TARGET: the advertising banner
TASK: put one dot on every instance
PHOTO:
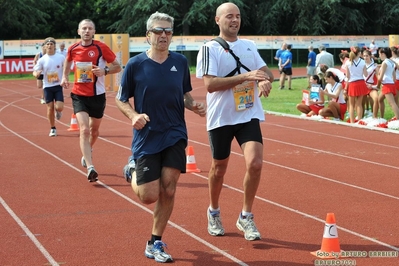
(1, 50)
(120, 46)
(29, 47)
(194, 43)
(16, 66)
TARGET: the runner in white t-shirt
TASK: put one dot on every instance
(51, 66)
(234, 111)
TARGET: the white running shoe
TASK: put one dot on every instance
(92, 174)
(215, 227)
(83, 162)
(156, 251)
(53, 132)
(247, 225)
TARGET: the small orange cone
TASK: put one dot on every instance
(74, 124)
(330, 248)
(191, 166)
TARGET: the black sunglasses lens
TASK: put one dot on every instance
(158, 30)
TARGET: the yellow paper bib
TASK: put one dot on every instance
(244, 95)
(83, 72)
(52, 77)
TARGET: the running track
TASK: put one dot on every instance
(51, 215)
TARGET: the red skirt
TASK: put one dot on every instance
(342, 110)
(397, 84)
(357, 88)
(388, 88)
(316, 108)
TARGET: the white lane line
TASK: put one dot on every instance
(308, 216)
(336, 136)
(178, 227)
(315, 175)
(262, 199)
(216, 249)
(32, 237)
(331, 153)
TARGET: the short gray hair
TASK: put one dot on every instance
(86, 20)
(157, 16)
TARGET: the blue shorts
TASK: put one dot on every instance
(54, 93)
(149, 167)
(220, 138)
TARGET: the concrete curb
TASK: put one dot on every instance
(341, 123)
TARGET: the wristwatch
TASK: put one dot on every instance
(106, 70)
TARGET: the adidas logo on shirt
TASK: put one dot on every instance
(173, 68)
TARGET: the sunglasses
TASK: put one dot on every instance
(159, 30)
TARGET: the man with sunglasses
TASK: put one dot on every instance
(159, 82)
(234, 111)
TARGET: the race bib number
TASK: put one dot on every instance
(52, 77)
(244, 95)
(83, 72)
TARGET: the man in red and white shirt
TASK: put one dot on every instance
(88, 92)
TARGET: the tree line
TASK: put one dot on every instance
(39, 19)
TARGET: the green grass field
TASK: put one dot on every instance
(281, 101)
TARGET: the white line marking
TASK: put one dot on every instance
(308, 216)
(319, 176)
(216, 249)
(32, 237)
(240, 191)
(331, 153)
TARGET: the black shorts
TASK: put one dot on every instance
(93, 105)
(54, 93)
(40, 77)
(220, 138)
(287, 71)
(149, 167)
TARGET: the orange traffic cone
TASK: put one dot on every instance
(330, 248)
(74, 124)
(191, 166)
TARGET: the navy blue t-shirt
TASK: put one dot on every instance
(157, 90)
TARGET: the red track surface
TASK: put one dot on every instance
(51, 215)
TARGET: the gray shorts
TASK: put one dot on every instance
(310, 70)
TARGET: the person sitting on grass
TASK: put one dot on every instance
(337, 106)
(315, 102)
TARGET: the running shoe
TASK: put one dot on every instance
(156, 251)
(58, 115)
(215, 227)
(128, 170)
(83, 162)
(53, 132)
(92, 174)
(247, 225)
